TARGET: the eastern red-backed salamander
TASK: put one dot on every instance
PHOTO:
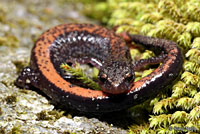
(88, 43)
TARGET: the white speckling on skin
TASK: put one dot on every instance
(84, 38)
(68, 39)
(135, 96)
(58, 42)
(99, 97)
(92, 39)
(132, 91)
(28, 81)
(63, 40)
(97, 107)
(96, 61)
(74, 39)
(89, 39)
(106, 97)
(79, 37)
(146, 83)
(52, 89)
(82, 35)
(98, 40)
(54, 45)
(55, 55)
(157, 76)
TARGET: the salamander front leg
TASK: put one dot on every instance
(150, 61)
(27, 78)
(148, 42)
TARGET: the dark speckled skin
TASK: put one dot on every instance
(85, 47)
(88, 43)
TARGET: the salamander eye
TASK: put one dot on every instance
(129, 77)
(103, 77)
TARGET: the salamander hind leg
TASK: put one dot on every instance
(27, 78)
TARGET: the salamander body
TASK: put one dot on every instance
(88, 43)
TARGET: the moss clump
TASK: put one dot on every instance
(15, 130)
(80, 75)
(1, 112)
(11, 99)
(49, 115)
(3, 13)
(66, 132)
(20, 65)
(9, 40)
(2, 130)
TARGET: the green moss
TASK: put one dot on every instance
(49, 115)
(24, 91)
(196, 43)
(11, 99)
(23, 23)
(138, 129)
(1, 112)
(2, 130)
(66, 132)
(43, 115)
(3, 13)
(9, 40)
(15, 130)
(169, 9)
(194, 55)
(20, 65)
(79, 74)
(56, 114)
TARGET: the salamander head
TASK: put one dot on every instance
(116, 77)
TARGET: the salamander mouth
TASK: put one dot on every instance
(106, 86)
(115, 90)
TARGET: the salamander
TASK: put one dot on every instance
(101, 47)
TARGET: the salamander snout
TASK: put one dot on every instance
(116, 77)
